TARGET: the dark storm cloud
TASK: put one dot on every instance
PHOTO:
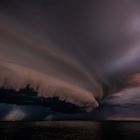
(28, 57)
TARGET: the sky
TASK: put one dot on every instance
(79, 51)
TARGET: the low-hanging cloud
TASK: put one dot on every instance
(28, 60)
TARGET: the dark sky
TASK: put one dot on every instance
(70, 49)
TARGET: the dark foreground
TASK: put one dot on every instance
(69, 130)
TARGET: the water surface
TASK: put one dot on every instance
(68, 130)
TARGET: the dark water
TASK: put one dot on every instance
(70, 130)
